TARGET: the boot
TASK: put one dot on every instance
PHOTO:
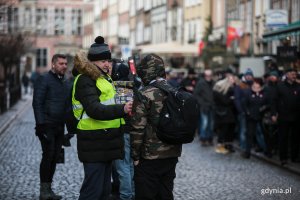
(53, 195)
(44, 192)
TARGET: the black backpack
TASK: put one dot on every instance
(179, 116)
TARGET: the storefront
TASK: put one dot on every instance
(285, 44)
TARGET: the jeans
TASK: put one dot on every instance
(51, 149)
(125, 171)
(96, 184)
(254, 128)
(242, 130)
(206, 125)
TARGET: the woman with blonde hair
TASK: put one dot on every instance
(224, 113)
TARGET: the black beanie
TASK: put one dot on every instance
(99, 50)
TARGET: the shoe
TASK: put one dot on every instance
(209, 143)
(230, 148)
(295, 160)
(221, 149)
(283, 162)
(203, 143)
(258, 149)
(44, 191)
(268, 154)
(245, 155)
(47, 193)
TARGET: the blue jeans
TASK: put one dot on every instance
(242, 130)
(125, 171)
(206, 125)
(260, 137)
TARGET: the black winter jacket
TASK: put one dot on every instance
(224, 107)
(50, 98)
(255, 104)
(96, 145)
(204, 94)
(287, 101)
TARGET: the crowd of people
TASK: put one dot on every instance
(117, 116)
(261, 113)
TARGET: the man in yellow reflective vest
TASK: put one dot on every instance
(99, 138)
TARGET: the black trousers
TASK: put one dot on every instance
(289, 136)
(225, 132)
(51, 149)
(154, 179)
(96, 184)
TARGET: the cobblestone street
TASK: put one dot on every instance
(201, 173)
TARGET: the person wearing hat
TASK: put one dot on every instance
(285, 110)
(99, 135)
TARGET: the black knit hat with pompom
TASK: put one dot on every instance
(99, 50)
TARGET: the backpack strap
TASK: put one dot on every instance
(164, 86)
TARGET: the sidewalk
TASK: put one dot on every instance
(11, 114)
(292, 167)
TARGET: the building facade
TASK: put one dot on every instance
(54, 26)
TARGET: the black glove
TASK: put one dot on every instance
(67, 138)
(40, 131)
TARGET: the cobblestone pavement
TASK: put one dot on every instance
(201, 173)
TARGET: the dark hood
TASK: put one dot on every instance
(152, 66)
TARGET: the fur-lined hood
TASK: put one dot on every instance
(84, 66)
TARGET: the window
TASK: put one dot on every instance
(113, 25)
(76, 22)
(41, 57)
(139, 32)
(147, 34)
(12, 19)
(41, 21)
(59, 21)
(147, 5)
(295, 10)
(27, 17)
(104, 4)
(132, 7)
(276, 4)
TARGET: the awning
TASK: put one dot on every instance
(169, 48)
(292, 29)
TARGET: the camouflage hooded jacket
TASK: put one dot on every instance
(146, 110)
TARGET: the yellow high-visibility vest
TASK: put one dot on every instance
(107, 97)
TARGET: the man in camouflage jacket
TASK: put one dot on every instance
(154, 161)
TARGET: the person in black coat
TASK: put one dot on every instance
(255, 103)
(49, 105)
(285, 110)
(204, 95)
(98, 147)
(223, 93)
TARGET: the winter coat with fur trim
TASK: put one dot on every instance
(95, 145)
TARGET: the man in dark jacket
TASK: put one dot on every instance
(285, 109)
(204, 95)
(154, 161)
(239, 95)
(100, 139)
(49, 105)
